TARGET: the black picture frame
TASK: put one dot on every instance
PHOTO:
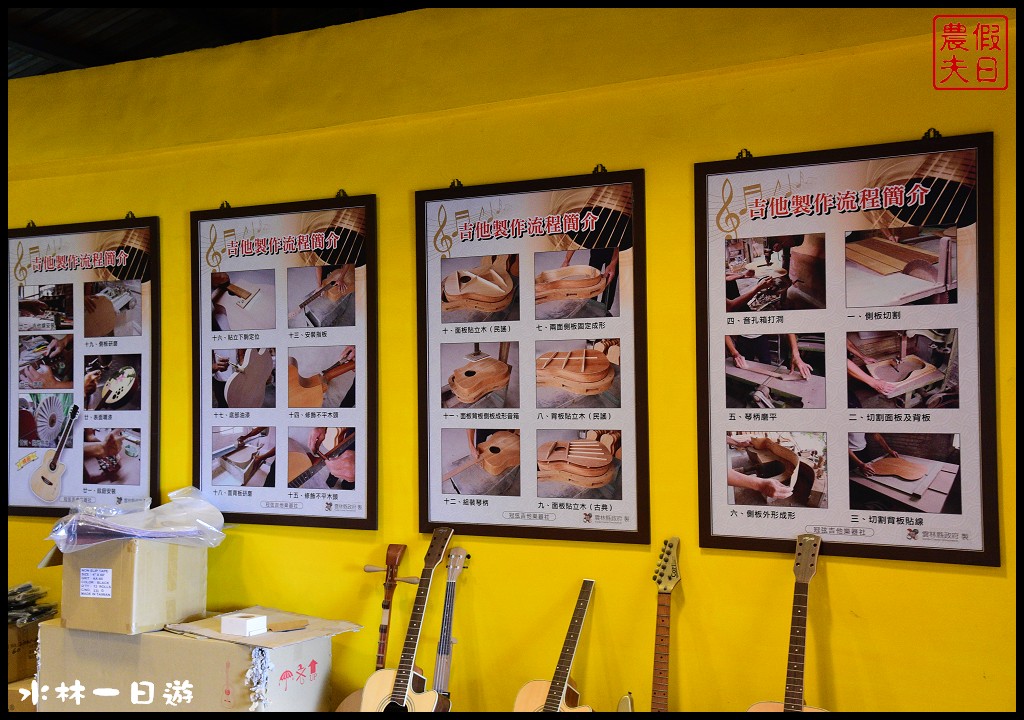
(503, 448)
(93, 289)
(876, 263)
(285, 341)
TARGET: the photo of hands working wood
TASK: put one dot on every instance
(772, 370)
(80, 358)
(767, 274)
(285, 314)
(903, 369)
(777, 468)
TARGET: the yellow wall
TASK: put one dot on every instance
(410, 102)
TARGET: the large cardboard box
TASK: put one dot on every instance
(132, 586)
(21, 651)
(189, 668)
(19, 696)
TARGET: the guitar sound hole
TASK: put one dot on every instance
(494, 450)
(470, 373)
(395, 707)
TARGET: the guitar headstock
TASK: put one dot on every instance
(394, 557)
(807, 546)
(666, 574)
(72, 413)
(438, 542)
(458, 559)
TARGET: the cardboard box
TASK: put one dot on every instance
(18, 701)
(21, 651)
(132, 586)
(156, 671)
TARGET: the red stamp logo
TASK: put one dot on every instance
(970, 52)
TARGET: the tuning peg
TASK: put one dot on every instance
(373, 568)
(410, 580)
(654, 578)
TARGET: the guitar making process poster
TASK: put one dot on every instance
(82, 323)
(285, 354)
(846, 302)
(533, 352)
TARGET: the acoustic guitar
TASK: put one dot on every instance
(308, 392)
(392, 690)
(301, 467)
(807, 546)
(391, 579)
(247, 388)
(457, 561)
(45, 482)
(554, 696)
(666, 575)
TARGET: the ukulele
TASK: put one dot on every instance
(457, 560)
(309, 391)
(806, 560)
(390, 690)
(391, 579)
(666, 575)
(45, 482)
(544, 696)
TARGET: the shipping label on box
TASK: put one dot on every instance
(133, 586)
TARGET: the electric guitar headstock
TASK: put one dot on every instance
(666, 574)
(807, 546)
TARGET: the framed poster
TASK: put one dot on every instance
(533, 352)
(848, 383)
(285, 357)
(82, 329)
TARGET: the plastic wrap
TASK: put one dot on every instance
(188, 519)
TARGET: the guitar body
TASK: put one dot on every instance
(45, 483)
(779, 707)
(247, 305)
(376, 695)
(401, 689)
(247, 387)
(102, 319)
(308, 392)
(499, 452)
(532, 695)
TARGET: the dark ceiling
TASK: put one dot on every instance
(50, 40)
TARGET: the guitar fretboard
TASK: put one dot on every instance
(303, 477)
(794, 698)
(659, 695)
(556, 692)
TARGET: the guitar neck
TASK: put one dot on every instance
(556, 692)
(403, 675)
(443, 664)
(659, 694)
(385, 630)
(65, 432)
(794, 697)
(303, 477)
